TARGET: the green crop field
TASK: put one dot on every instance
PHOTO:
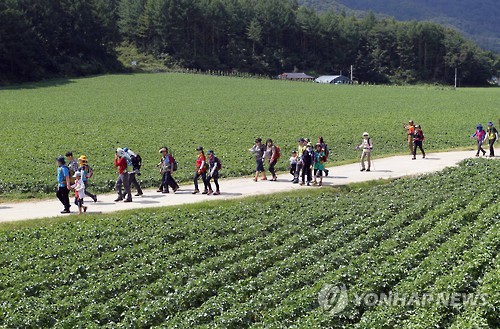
(93, 116)
(262, 263)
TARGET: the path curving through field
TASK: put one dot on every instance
(385, 168)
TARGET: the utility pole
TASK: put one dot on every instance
(456, 71)
(351, 73)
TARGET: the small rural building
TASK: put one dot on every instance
(296, 77)
(334, 79)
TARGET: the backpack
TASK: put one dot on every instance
(136, 161)
(278, 152)
(327, 152)
(219, 164)
(174, 162)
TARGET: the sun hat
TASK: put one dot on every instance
(417, 126)
(82, 158)
(366, 134)
(163, 149)
(120, 152)
(411, 121)
(490, 124)
(77, 174)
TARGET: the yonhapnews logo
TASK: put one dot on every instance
(335, 298)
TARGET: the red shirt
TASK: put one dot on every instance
(121, 163)
(201, 158)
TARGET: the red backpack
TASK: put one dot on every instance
(278, 152)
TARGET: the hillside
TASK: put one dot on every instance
(476, 19)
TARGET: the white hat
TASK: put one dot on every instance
(120, 152)
(366, 134)
(77, 174)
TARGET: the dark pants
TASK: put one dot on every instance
(306, 171)
(132, 177)
(293, 167)
(123, 180)
(215, 177)
(63, 196)
(492, 149)
(298, 168)
(272, 164)
(168, 180)
(480, 147)
(418, 144)
(87, 192)
(203, 176)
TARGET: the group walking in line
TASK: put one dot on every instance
(490, 136)
(307, 165)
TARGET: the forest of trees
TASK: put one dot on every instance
(46, 38)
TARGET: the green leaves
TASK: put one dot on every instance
(243, 264)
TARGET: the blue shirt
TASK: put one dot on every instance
(62, 173)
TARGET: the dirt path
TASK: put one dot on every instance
(392, 167)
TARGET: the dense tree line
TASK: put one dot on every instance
(43, 37)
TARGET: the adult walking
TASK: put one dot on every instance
(133, 161)
(272, 157)
(63, 184)
(479, 135)
(213, 172)
(326, 150)
(259, 151)
(418, 142)
(300, 152)
(121, 164)
(492, 135)
(167, 165)
(87, 173)
(319, 164)
(366, 146)
(410, 131)
(307, 163)
(201, 171)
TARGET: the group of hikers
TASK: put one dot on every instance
(306, 165)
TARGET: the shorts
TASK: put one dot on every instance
(318, 172)
(260, 166)
(78, 202)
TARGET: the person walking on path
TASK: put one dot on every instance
(121, 164)
(87, 173)
(72, 166)
(214, 167)
(63, 184)
(259, 152)
(201, 171)
(307, 163)
(480, 136)
(319, 164)
(167, 165)
(326, 150)
(272, 156)
(366, 146)
(300, 151)
(418, 142)
(79, 187)
(132, 161)
(410, 130)
(293, 164)
(492, 135)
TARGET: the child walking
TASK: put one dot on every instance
(79, 188)
(367, 147)
(319, 164)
